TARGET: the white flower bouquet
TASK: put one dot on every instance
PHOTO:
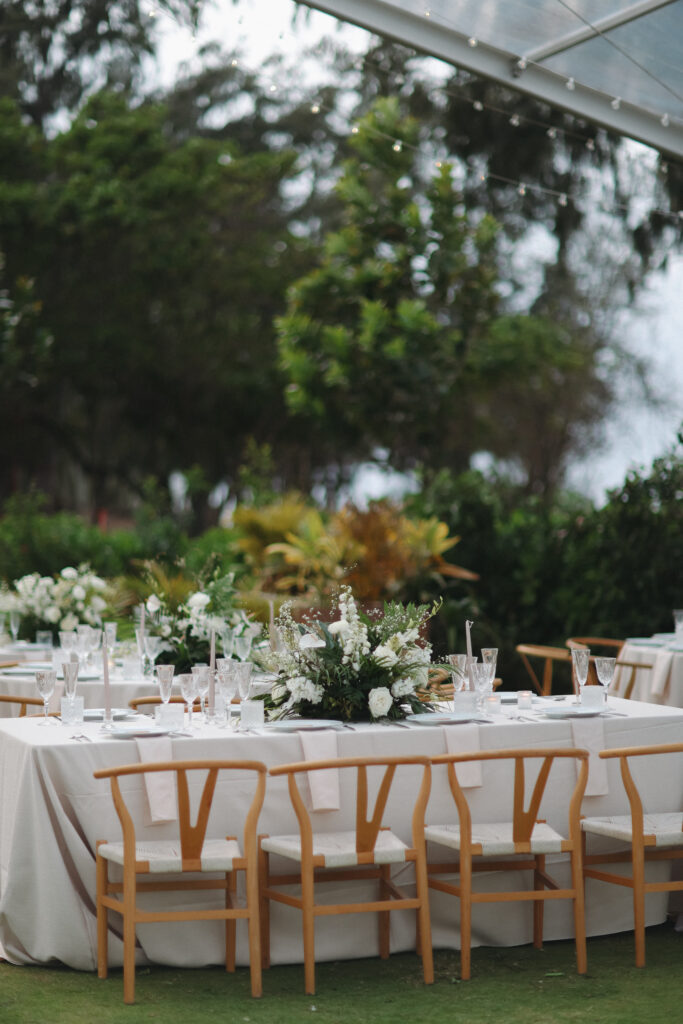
(62, 602)
(358, 668)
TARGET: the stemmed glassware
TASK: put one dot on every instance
(243, 672)
(70, 672)
(580, 662)
(165, 680)
(14, 623)
(604, 668)
(227, 685)
(202, 681)
(152, 648)
(46, 680)
(188, 690)
(483, 681)
(227, 638)
(489, 656)
(242, 645)
(458, 663)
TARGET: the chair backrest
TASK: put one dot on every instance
(634, 798)
(367, 826)
(615, 645)
(550, 656)
(23, 702)
(523, 818)
(191, 836)
(138, 703)
(8, 664)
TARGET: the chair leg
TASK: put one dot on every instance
(230, 923)
(383, 922)
(264, 907)
(579, 912)
(539, 905)
(424, 930)
(102, 931)
(252, 884)
(129, 938)
(465, 917)
(307, 899)
(638, 861)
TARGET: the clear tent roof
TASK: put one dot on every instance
(618, 63)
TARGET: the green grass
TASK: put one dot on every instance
(509, 986)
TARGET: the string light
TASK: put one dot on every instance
(478, 106)
(664, 121)
(562, 199)
(570, 84)
(552, 133)
(522, 190)
(616, 103)
(315, 109)
(397, 146)
(472, 42)
(514, 121)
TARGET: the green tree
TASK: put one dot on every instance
(374, 339)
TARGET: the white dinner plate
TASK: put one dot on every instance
(30, 669)
(444, 717)
(97, 714)
(572, 712)
(304, 724)
(129, 732)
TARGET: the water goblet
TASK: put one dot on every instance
(165, 680)
(67, 640)
(227, 685)
(489, 656)
(202, 677)
(110, 634)
(152, 645)
(187, 685)
(483, 680)
(604, 668)
(14, 623)
(580, 663)
(227, 639)
(458, 663)
(83, 641)
(46, 680)
(44, 638)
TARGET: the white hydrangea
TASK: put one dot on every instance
(153, 604)
(402, 687)
(198, 601)
(384, 655)
(69, 573)
(302, 688)
(380, 701)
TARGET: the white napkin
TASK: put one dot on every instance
(589, 734)
(661, 673)
(160, 786)
(323, 785)
(464, 739)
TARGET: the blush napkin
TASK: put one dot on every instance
(590, 735)
(323, 785)
(464, 739)
(159, 786)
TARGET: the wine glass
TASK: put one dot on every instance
(242, 645)
(165, 680)
(483, 681)
(458, 663)
(152, 645)
(188, 691)
(83, 642)
(202, 681)
(580, 663)
(489, 656)
(227, 685)
(70, 673)
(604, 668)
(243, 672)
(14, 623)
(46, 680)
(227, 638)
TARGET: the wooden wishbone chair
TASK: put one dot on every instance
(651, 837)
(550, 656)
(368, 851)
(23, 702)
(147, 704)
(523, 837)
(193, 853)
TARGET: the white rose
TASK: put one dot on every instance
(97, 603)
(198, 601)
(68, 623)
(340, 626)
(379, 701)
(51, 614)
(402, 687)
(153, 604)
(69, 573)
(384, 656)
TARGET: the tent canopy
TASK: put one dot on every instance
(618, 63)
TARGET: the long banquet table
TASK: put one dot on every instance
(18, 683)
(662, 683)
(52, 811)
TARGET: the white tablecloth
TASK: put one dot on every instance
(92, 691)
(661, 684)
(52, 812)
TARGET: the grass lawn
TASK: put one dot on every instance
(517, 985)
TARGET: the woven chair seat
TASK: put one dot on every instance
(338, 848)
(658, 829)
(165, 855)
(496, 839)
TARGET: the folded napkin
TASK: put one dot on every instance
(464, 739)
(661, 673)
(323, 785)
(589, 734)
(160, 786)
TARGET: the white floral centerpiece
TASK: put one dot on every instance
(358, 668)
(186, 625)
(75, 596)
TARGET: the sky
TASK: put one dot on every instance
(635, 434)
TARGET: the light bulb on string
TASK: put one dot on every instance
(562, 199)
(552, 133)
(664, 120)
(521, 190)
(514, 121)
(472, 42)
(616, 103)
(590, 144)
(397, 146)
(478, 106)
(570, 84)
(315, 109)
